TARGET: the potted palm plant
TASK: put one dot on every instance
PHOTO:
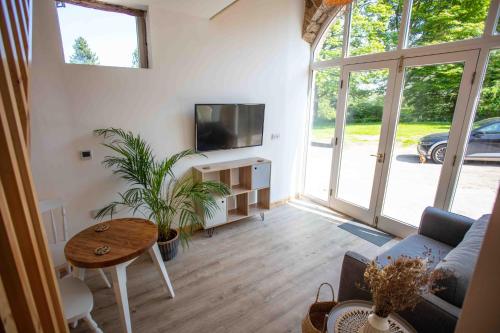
(154, 190)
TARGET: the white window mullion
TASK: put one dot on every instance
(492, 19)
(347, 31)
(310, 107)
(470, 114)
(448, 176)
(405, 24)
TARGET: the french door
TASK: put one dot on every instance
(377, 175)
(357, 167)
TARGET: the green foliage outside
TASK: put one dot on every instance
(407, 133)
(375, 26)
(82, 54)
(332, 45)
(430, 92)
(367, 90)
(135, 58)
(489, 103)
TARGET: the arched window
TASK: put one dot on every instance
(397, 83)
(332, 41)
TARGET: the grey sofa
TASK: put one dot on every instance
(451, 237)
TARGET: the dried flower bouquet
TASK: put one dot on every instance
(399, 285)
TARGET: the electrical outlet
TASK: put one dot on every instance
(275, 136)
(86, 154)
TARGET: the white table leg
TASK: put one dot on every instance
(79, 272)
(93, 325)
(119, 277)
(154, 252)
(104, 278)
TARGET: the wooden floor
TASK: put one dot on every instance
(251, 276)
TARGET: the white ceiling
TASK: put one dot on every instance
(199, 8)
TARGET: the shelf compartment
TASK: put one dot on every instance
(249, 182)
(242, 203)
(239, 189)
(225, 177)
(264, 198)
(235, 215)
(255, 209)
(246, 176)
(213, 176)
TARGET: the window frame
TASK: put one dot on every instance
(140, 19)
(488, 41)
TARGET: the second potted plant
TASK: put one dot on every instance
(156, 192)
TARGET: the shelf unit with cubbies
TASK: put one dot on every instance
(250, 183)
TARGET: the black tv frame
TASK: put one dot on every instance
(196, 127)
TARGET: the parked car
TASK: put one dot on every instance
(484, 143)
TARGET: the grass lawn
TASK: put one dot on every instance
(407, 133)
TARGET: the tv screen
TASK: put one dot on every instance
(228, 126)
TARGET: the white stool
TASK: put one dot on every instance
(77, 301)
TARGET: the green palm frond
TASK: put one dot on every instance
(133, 155)
(154, 189)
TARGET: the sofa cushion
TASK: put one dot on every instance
(460, 263)
(416, 246)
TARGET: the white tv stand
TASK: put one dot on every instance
(250, 183)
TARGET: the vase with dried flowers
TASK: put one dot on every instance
(398, 286)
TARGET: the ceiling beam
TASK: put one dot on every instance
(223, 9)
(94, 4)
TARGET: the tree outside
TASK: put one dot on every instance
(135, 58)
(82, 54)
(430, 92)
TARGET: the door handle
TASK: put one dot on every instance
(380, 157)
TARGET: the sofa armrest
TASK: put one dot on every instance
(351, 276)
(432, 315)
(443, 226)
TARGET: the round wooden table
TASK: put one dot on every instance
(125, 239)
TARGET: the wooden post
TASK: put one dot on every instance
(33, 299)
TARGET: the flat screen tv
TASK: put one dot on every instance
(228, 126)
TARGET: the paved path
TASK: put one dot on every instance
(412, 185)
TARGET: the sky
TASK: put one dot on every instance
(112, 36)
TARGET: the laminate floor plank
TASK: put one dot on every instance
(251, 276)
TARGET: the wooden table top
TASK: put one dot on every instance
(127, 237)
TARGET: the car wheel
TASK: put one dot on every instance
(438, 153)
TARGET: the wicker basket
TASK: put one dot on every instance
(317, 316)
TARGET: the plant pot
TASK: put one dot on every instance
(168, 249)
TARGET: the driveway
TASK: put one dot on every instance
(411, 186)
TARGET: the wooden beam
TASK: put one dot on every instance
(26, 270)
(223, 9)
(94, 4)
(18, 304)
(316, 14)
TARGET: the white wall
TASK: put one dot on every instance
(251, 53)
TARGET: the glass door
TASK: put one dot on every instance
(364, 103)
(424, 130)
(319, 153)
(474, 192)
